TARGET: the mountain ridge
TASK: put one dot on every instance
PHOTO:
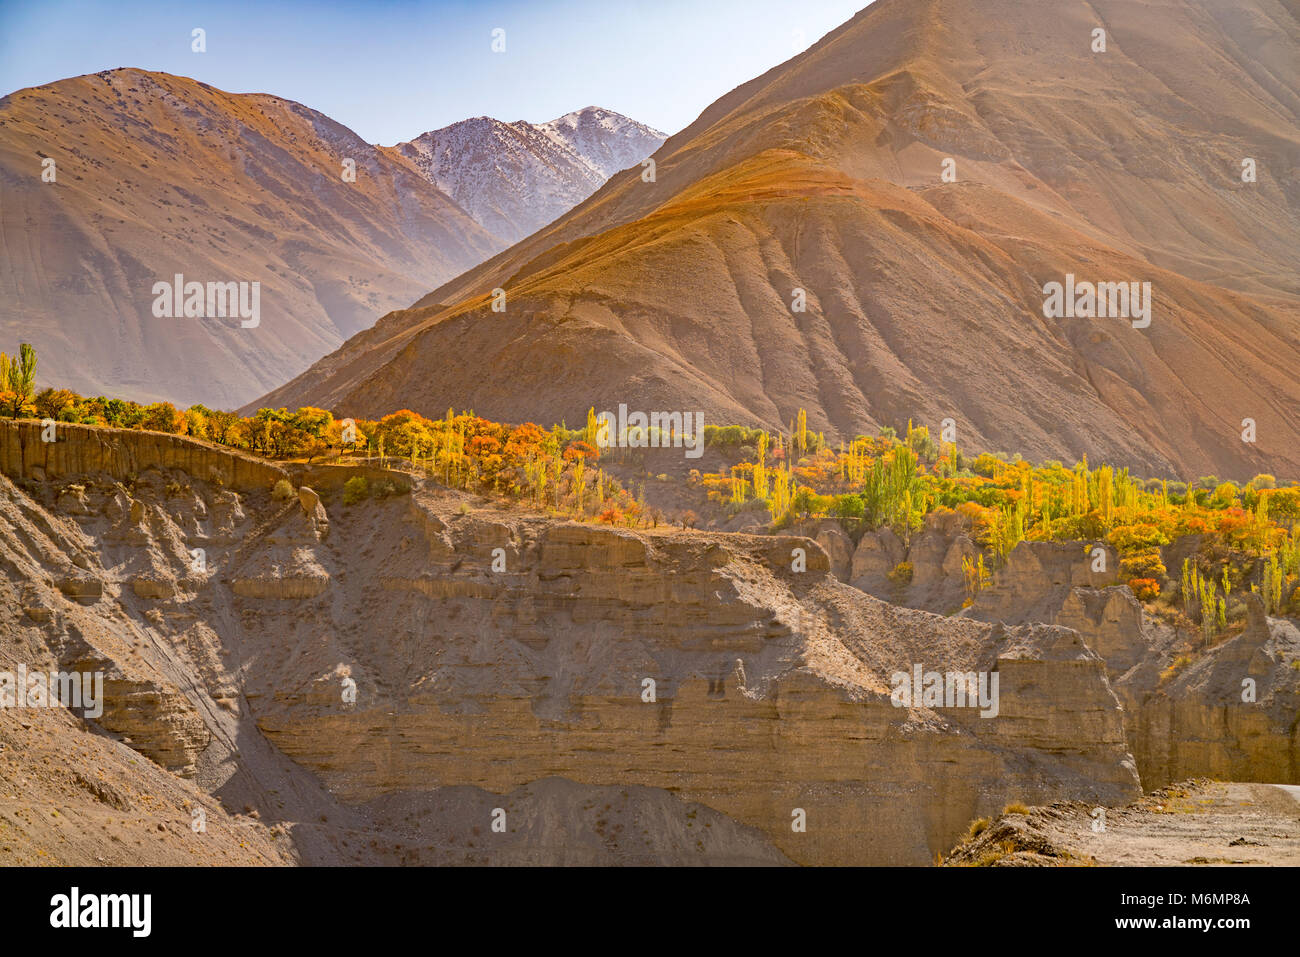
(1114, 166)
(517, 177)
(156, 175)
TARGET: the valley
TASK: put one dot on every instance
(523, 688)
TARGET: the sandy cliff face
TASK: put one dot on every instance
(379, 678)
(1182, 719)
(87, 450)
(770, 686)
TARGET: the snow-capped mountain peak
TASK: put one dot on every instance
(514, 178)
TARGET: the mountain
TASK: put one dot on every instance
(514, 178)
(157, 175)
(925, 299)
(608, 141)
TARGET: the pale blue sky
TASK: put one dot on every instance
(391, 70)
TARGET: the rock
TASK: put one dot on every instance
(309, 500)
(83, 450)
(779, 554)
(314, 511)
(153, 588)
(838, 547)
(1112, 623)
(281, 574)
(574, 547)
(81, 588)
(878, 553)
(1037, 579)
(159, 721)
(475, 683)
(927, 554)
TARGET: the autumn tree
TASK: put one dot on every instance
(163, 417)
(52, 403)
(18, 380)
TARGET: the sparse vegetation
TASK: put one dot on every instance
(1246, 533)
(355, 489)
(1177, 665)
(901, 574)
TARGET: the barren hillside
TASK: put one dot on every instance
(157, 175)
(924, 298)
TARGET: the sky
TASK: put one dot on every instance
(391, 70)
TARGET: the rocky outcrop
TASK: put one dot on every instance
(837, 546)
(770, 691)
(314, 512)
(283, 563)
(1232, 714)
(1112, 622)
(418, 655)
(1039, 576)
(877, 554)
(90, 450)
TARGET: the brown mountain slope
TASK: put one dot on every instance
(924, 298)
(157, 175)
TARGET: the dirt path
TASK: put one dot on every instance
(1203, 822)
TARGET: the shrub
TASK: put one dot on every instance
(1079, 528)
(901, 574)
(1141, 537)
(1145, 589)
(1143, 564)
(848, 506)
(282, 491)
(355, 489)
(1225, 494)
(1182, 661)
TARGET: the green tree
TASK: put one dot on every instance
(18, 379)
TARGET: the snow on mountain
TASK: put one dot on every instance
(609, 141)
(514, 178)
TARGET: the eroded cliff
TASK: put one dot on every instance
(432, 678)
